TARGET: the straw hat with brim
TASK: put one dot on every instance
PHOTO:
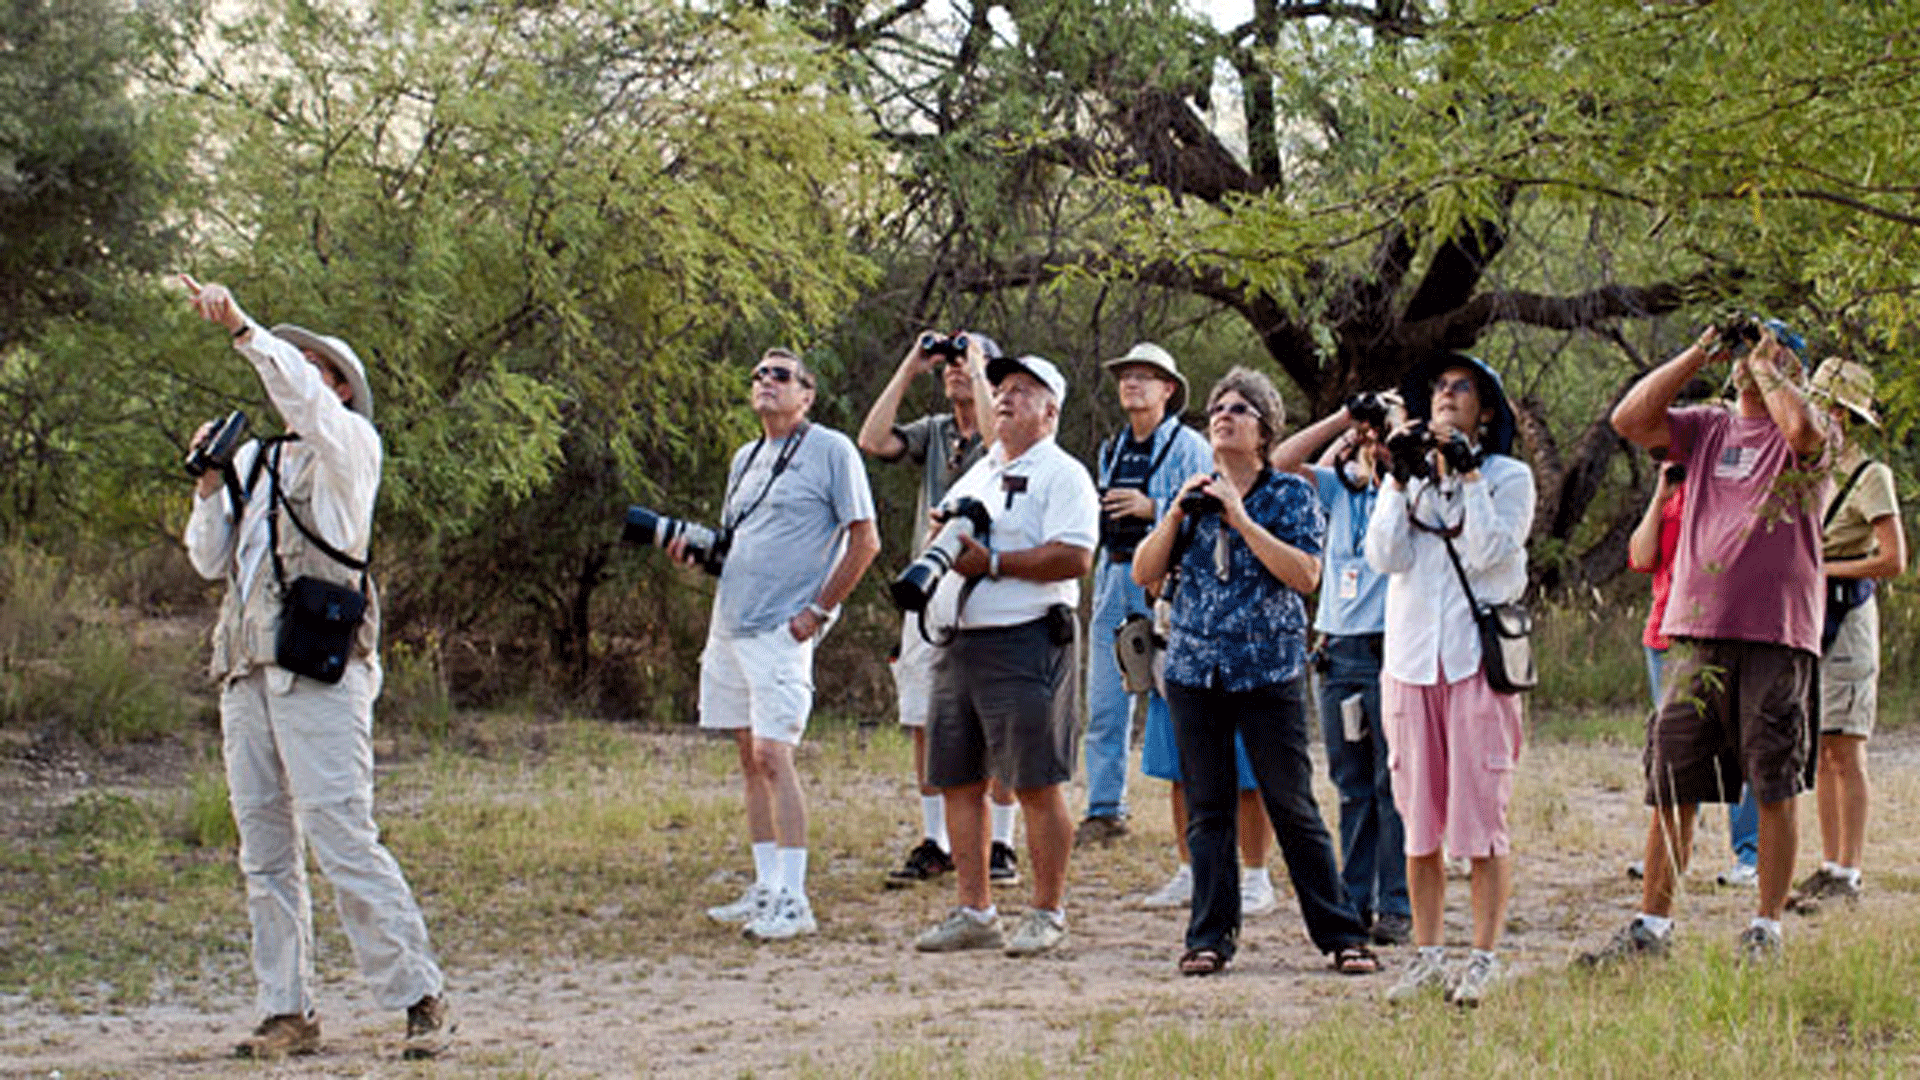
(340, 355)
(1160, 360)
(1848, 385)
(1416, 388)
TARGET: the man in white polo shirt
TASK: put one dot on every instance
(1004, 687)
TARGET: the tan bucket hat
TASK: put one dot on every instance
(1153, 356)
(340, 354)
(1848, 385)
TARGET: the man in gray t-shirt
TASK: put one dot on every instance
(801, 517)
(941, 446)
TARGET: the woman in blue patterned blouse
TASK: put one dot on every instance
(1244, 546)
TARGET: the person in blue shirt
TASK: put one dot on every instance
(1352, 621)
(1244, 542)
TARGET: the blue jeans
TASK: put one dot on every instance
(1108, 743)
(1372, 841)
(1272, 722)
(1743, 817)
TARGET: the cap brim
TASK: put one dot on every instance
(337, 353)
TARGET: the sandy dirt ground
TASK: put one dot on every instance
(857, 997)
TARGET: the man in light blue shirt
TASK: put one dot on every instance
(1352, 623)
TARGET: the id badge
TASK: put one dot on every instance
(1349, 583)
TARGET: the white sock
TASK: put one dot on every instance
(933, 820)
(1832, 868)
(1057, 916)
(1661, 925)
(982, 916)
(1771, 926)
(1002, 817)
(793, 870)
(1252, 874)
(766, 864)
(1851, 873)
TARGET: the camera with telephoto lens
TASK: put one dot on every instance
(1370, 409)
(953, 349)
(217, 449)
(963, 516)
(1409, 449)
(707, 546)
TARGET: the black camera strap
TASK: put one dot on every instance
(275, 503)
(1110, 459)
(788, 448)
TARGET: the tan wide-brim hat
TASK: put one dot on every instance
(1848, 385)
(1160, 360)
(338, 353)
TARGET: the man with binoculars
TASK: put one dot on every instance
(944, 445)
(298, 742)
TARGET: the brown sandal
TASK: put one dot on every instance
(1203, 962)
(1356, 960)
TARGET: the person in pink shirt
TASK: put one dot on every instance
(1745, 615)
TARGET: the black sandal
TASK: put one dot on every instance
(1356, 960)
(1203, 962)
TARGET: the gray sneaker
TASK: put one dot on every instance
(1821, 889)
(1425, 977)
(430, 1028)
(1759, 945)
(755, 902)
(1037, 933)
(960, 931)
(1633, 941)
(1475, 982)
(788, 917)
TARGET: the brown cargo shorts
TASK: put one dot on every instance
(1731, 711)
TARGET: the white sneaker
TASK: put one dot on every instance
(1476, 981)
(1036, 933)
(1176, 893)
(757, 899)
(1739, 875)
(1425, 977)
(1256, 894)
(789, 916)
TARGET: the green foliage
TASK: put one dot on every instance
(66, 663)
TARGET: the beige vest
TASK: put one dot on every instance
(243, 637)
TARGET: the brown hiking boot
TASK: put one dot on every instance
(286, 1035)
(430, 1028)
(1100, 830)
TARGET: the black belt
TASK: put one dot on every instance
(1119, 556)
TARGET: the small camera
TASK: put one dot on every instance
(914, 588)
(217, 449)
(1409, 449)
(1675, 473)
(706, 545)
(1739, 330)
(1197, 503)
(953, 349)
(1370, 410)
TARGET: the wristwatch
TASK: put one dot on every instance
(993, 565)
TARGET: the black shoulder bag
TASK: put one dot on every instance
(318, 618)
(1842, 594)
(1506, 630)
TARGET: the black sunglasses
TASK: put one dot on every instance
(1232, 408)
(777, 374)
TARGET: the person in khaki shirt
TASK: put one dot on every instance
(1862, 543)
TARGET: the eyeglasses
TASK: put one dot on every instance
(1232, 408)
(777, 374)
(1461, 385)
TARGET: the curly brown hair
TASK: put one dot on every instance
(1257, 390)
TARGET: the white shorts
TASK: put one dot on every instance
(1850, 674)
(763, 682)
(913, 674)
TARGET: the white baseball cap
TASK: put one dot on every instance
(1039, 367)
